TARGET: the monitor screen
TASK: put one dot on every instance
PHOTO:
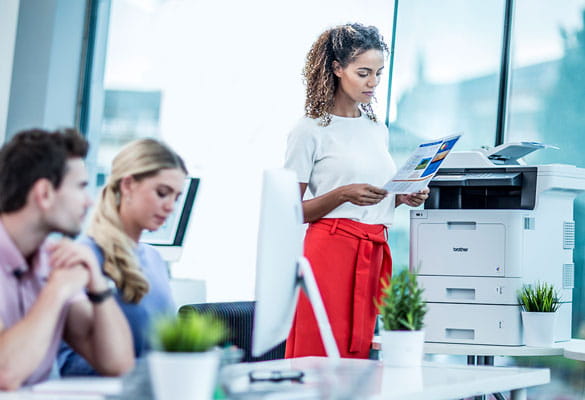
(172, 233)
(280, 245)
(281, 268)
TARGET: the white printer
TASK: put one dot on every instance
(490, 226)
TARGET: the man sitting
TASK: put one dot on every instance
(43, 190)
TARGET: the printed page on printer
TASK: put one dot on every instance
(421, 166)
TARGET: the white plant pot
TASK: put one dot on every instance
(183, 375)
(538, 328)
(402, 348)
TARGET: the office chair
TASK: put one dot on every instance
(239, 317)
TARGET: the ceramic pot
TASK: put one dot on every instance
(538, 328)
(402, 348)
(183, 375)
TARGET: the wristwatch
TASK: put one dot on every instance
(99, 297)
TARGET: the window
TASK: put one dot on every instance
(445, 80)
(222, 85)
(547, 99)
(547, 91)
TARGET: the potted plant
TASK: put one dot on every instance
(539, 304)
(403, 310)
(184, 363)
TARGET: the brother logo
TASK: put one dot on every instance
(460, 249)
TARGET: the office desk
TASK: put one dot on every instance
(82, 388)
(484, 354)
(483, 349)
(574, 349)
(432, 381)
(354, 378)
(491, 350)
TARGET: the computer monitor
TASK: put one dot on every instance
(168, 239)
(281, 269)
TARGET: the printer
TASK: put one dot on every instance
(492, 224)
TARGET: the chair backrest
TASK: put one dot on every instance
(239, 317)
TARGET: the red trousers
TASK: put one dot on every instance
(348, 259)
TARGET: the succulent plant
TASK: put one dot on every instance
(190, 332)
(401, 305)
(541, 297)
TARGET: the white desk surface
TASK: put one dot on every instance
(79, 388)
(432, 381)
(574, 349)
(491, 350)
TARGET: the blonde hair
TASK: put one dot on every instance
(140, 159)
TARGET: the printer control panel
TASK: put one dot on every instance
(476, 175)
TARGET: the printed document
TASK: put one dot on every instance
(422, 165)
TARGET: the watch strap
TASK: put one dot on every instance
(99, 297)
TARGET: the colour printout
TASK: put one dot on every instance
(422, 165)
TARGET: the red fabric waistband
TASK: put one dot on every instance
(367, 273)
(376, 233)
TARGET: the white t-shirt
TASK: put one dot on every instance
(348, 150)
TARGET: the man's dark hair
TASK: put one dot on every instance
(32, 155)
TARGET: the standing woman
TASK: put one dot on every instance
(339, 150)
(146, 180)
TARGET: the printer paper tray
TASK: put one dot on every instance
(484, 324)
(470, 289)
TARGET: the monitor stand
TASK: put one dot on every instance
(306, 281)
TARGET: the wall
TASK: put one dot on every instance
(8, 22)
(46, 65)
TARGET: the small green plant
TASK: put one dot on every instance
(401, 305)
(541, 297)
(191, 332)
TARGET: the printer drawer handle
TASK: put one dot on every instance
(468, 334)
(462, 225)
(460, 294)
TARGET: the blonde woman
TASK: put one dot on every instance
(146, 180)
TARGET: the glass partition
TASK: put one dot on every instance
(445, 80)
(221, 83)
(547, 101)
(546, 104)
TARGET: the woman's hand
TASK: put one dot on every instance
(412, 199)
(362, 194)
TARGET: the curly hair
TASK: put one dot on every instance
(343, 43)
(140, 159)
